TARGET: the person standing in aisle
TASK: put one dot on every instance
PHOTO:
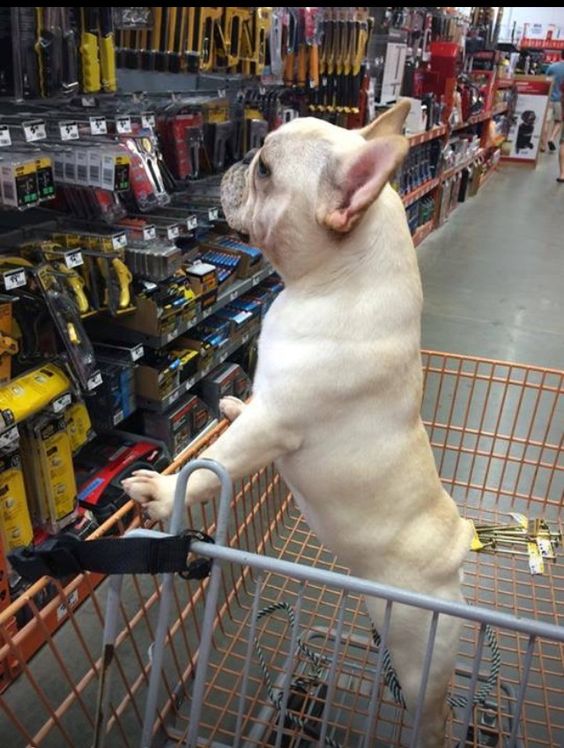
(556, 70)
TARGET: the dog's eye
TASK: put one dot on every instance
(262, 169)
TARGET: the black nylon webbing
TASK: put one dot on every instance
(68, 555)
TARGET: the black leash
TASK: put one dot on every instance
(66, 555)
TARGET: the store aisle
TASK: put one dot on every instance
(492, 275)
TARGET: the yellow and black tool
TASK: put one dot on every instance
(262, 22)
(89, 51)
(291, 47)
(160, 46)
(208, 32)
(107, 50)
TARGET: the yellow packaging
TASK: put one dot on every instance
(49, 472)
(15, 522)
(33, 391)
(79, 427)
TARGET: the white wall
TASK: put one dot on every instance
(521, 15)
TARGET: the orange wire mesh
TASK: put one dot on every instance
(496, 430)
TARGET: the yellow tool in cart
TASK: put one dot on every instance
(32, 392)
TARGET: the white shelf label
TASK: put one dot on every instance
(14, 279)
(233, 295)
(98, 126)
(256, 280)
(5, 137)
(74, 259)
(149, 232)
(119, 241)
(118, 417)
(34, 131)
(192, 223)
(69, 131)
(148, 120)
(137, 352)
(9, 438)
(94, 381)
(88, 101)
(123, 125)
(62, 402)
(172, 232)
(213, 214)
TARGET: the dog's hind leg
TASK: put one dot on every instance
(408, 637)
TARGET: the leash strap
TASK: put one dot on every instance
(67, 555)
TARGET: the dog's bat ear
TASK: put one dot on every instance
(360, 179)
(389, 123)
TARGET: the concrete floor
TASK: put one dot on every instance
(493, 274)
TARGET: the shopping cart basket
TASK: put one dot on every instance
(276, 648)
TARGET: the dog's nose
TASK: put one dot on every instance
(249, 156)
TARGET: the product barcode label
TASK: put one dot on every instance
(68, 130)
(148, 119)
(119, 241)
(94, 381)
(5, 137)
(192, 223)
(69, 171)
(149, 232)
(213, 214)
(98, 125)
(94, 174)
(137, 352)
(123, 125)
(172, 232)
(108, 178)
(34, 131)
(59, 170)
(74, 259)
(62, 402)
(82, 173)
(14, 279)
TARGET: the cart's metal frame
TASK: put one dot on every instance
(497, 429)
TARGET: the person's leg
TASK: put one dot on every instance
(561, 157)
(556, 125)
(546, 130)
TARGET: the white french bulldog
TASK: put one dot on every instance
(338, 386)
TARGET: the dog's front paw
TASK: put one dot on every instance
(231, 407)
(153, 491)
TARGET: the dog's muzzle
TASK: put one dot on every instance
(233, 192)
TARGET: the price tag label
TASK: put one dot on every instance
(9, 438)
(172, 335)
(14, 279)
(5, 137)
(118, 417)
(123, 125)
(119, 241)
(62, 402)
(149, 232)
(98, 126)
(213, 214)
(73, 259)
(148, 120)
(34, 131)
(137, 352)
(192, 223)
(94, 381)
(88, 101)
(256, 280)
(69, 131)
(172, 232)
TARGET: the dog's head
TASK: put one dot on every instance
(311, 183)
